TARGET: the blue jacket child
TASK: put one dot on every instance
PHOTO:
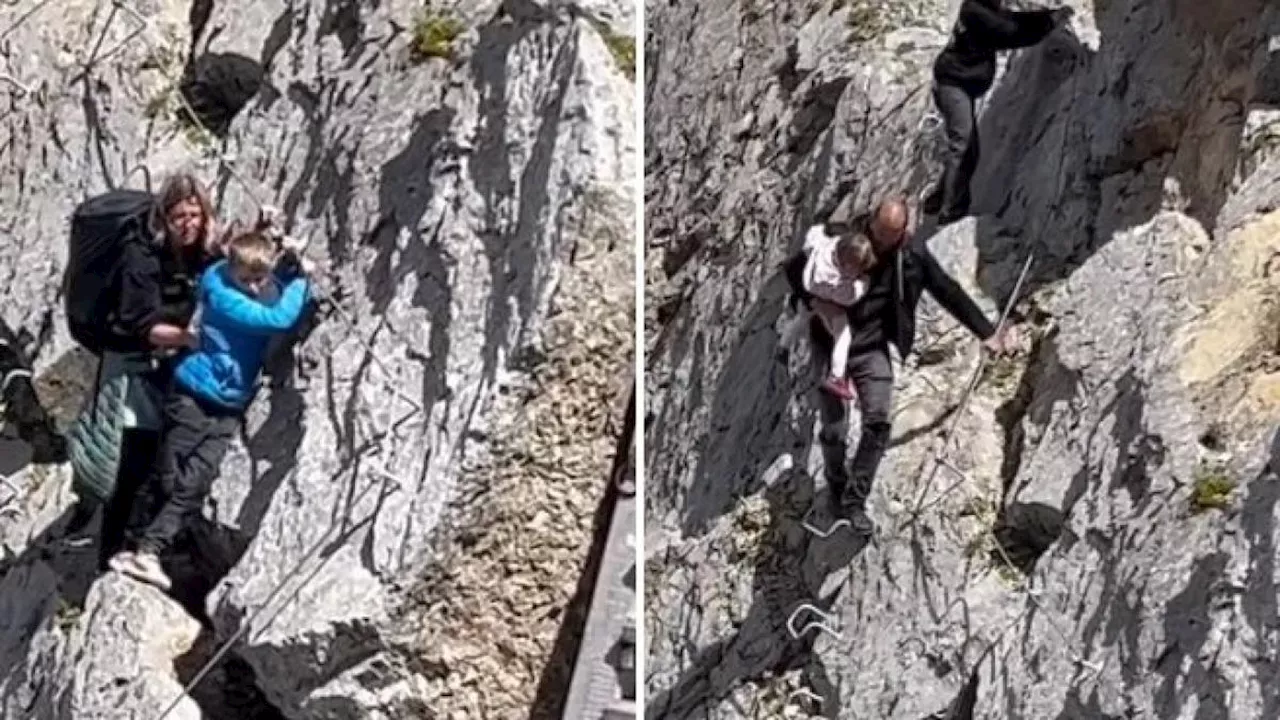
(241, 306)
(235, 329)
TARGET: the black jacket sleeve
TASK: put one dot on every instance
(1005, 29)
(952, 297)
(140, 300)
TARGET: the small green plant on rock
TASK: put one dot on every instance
(434, 34)
(1212, 489)
(1008, 574)
(866, 23)
(622, 47)
(604, 215)
(195, 133)
(66, 616)
(870, 21)
(750, 534)
(1001, 372)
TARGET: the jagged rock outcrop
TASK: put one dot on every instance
(112, 659)
(471, 215)
(1104, 546)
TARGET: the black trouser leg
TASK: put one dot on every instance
(195, 442)
(958, 112)
(81, 515)
(137, 455)
(834, 415)
(872, 373)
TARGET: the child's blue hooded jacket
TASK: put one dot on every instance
(235, 329)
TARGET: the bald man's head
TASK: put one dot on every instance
(889, 224)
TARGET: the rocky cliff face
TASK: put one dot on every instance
(390, 539)
(1101, 542)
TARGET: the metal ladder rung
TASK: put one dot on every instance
(807, 694)
(804, 522)
(820, 624)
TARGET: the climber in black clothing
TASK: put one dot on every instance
(964, 72)
(886, 314)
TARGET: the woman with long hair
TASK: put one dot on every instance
(115, 440)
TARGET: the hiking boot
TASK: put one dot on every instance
(142, 566)
(860, 522)
(855, 512)
(77, 533)
(840, 387)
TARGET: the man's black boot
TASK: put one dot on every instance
(854, 509)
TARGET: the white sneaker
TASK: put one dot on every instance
(143, 567)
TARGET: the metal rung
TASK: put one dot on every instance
(26, 90)
(929, 122)
(393, 480)
(807, 694)
(1096, 667)
(791, 622)
(12, 375)
(804, 522)
(8, 482)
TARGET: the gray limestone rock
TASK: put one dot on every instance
(1100, 541)
(445, 200)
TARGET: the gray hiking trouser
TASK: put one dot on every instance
(196, 438)
(872, 373)
(959, 114)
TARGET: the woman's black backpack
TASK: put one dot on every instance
(101, 227)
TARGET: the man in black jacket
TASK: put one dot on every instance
(964, 72)
(886, 314)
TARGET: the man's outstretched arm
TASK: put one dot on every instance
(1008, 29)
(953, 298)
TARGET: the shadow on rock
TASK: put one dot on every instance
(1104, 185)
(1024, 532)
(785, 575)
(962, 708)
(29, 431)
(1187, 624)
(1268, 89)
(1258, 521)
(49, 579)
(229, 691)
(514, 213)
(749, 407)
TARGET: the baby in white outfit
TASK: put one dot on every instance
(835, 274)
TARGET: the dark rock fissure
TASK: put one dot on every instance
(1024, 532)
(966, 701)
(230, 690)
